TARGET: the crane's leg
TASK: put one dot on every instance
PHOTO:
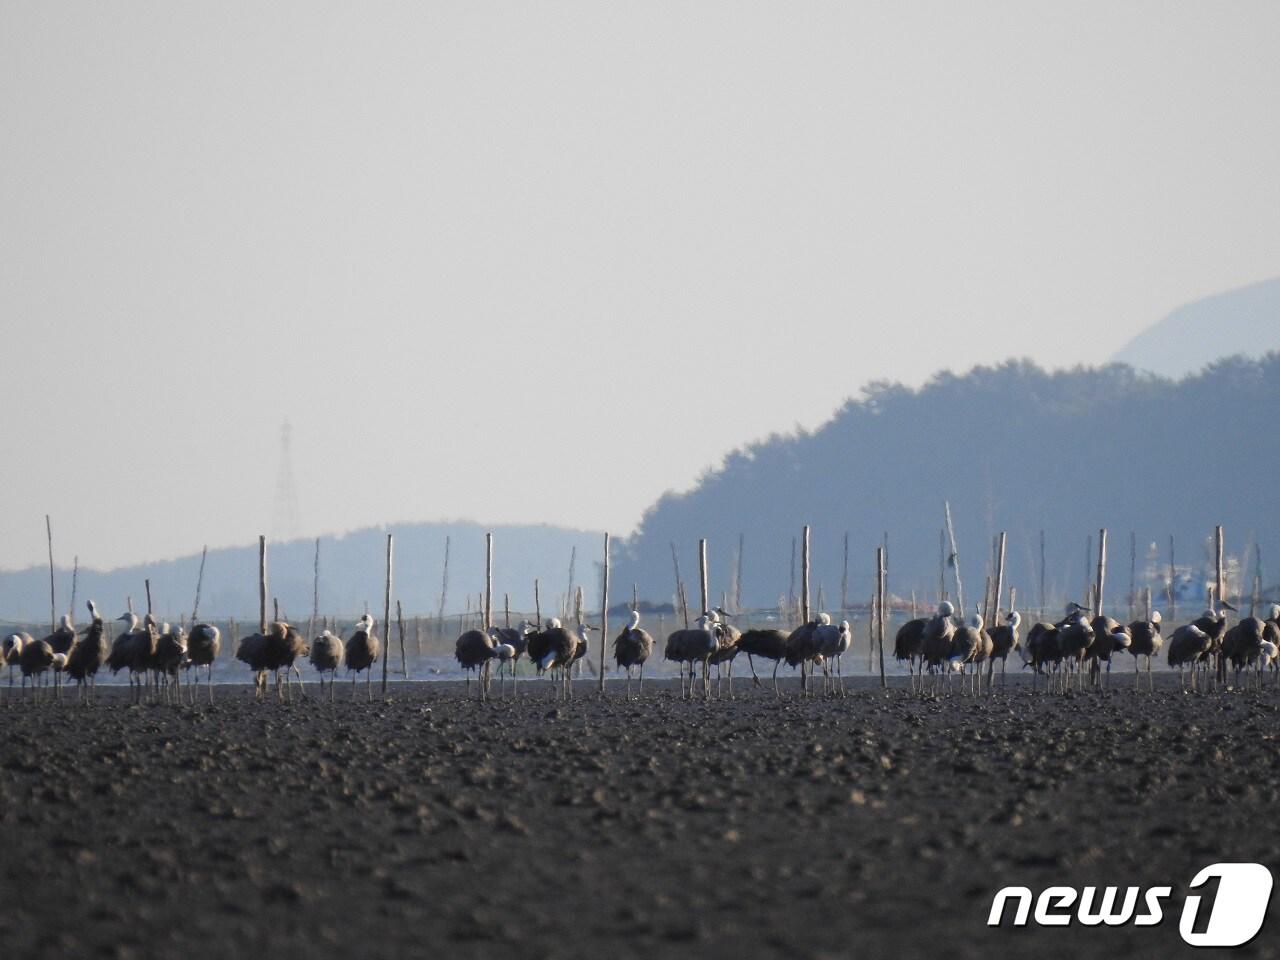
(730, 672)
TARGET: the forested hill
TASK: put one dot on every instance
(1013, 448)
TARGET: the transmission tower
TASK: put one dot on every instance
(286, 524)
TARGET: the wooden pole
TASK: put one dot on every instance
(680, 597)
(1173, 583)
(444, 587)
(1133, 571)
(942, 564)
(635, 598)
(737, 579)
(315, 593)
(1013, 600)
(1148, 614)
(1000, 575)
(262, 584)
(791, 591)
(880, 602)
(955, 555)
(75, 582)
(488, 580)
(1043, 601)
(1102, 571)
(844, 577)
(404, 660)
(386, 618)
(275, 606)
(702, 574)
(1217, 552)
(506, 609)
(53, 601)
(804, 577)
(147, 584)
(537, 604)
(195, 607)
(604, 609)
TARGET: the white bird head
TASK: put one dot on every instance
(945, 609)
(824, 619)
(65, 622)
(553, 623)
(1014, 619)
(584, 629)
(59, 661)
(844, 626)
(93, 610)
(504, 651)
(131, 619)
(527, 627)
(975, 621)
(1275, 612)
(634, 622)
(1155, 616)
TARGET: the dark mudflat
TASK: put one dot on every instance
(428, 824)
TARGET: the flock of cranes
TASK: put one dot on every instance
(156, 655)
(1065, 651)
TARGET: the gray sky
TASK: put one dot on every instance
(543, 261)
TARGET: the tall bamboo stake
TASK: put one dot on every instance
(506, 609)
(880, 602)
(262, 584)
(675, 559)
(702, 574)
(737, 579)
(1217, 551)
(147, 583)
(1000, 575)
(1133, 571)
(537, 604)
(404, 660)
(488, 581)
(1102, 570)
(195, 607)
(315, 593)
(804, 577)
(955, 555)
(844, 577)
(75, 582)
(386, 617)
(604, 609)
(53, 601)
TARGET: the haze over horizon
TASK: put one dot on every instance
(482, 257)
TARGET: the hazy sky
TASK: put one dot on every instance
(543, 261)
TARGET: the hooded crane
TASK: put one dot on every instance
(833, 643)
(474, 650)
(203, 646)
(1213, 623)
(1109, 636)
(631, 648)
(326, 656)
(1004, 640)
(1187, 646)
(515, 638)
(694, 645)
(363, 650)
(727, 637)
(11, 653)
(558, 648)
(935, 643)
(802, 652)
(1075, 637)
(908, 645)
(171, 654)
(967, 646)
(1242, 646)
(505, 654)
(34, 662)
(1145, 641)
(767, 644)
(132, 651)
(1042, 651)
(89, 654)
(62, 641)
